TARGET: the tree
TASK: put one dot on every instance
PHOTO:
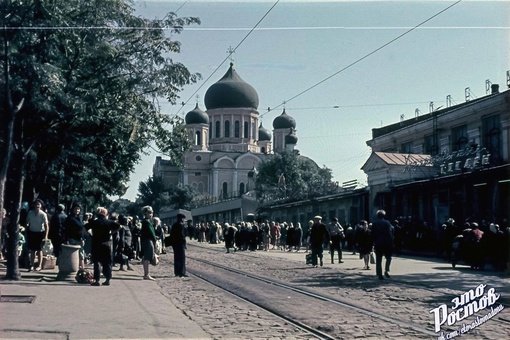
(289, 176)
(151, 192)
(181, 196)
(91, 74)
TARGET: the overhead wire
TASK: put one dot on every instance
(362, 58)
(231, 51)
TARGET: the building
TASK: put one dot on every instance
(452, 162)
(229, 142)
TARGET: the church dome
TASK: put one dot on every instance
(291, 138)
(284, 121)
(231, 92)
(197, 116)
(264, 134)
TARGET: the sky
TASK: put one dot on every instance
(339, 68)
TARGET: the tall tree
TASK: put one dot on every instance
(290, 176)
(91, 74)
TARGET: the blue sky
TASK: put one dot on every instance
(341, 67)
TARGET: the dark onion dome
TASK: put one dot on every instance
(197, 116)
(231, 92)
(284, 121)
(291, 138)
(264, 134)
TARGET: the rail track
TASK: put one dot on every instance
(395, 307)
(318, 321)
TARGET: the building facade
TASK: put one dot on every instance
(452, 162)
(229, 142)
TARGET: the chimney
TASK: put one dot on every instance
(495, 88)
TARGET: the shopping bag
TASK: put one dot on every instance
(308, 258)
(372, 258)
(49, 262)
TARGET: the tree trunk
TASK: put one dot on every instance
(13, 195)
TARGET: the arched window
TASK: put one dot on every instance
(218, 127)
(237, 128)
(263, 149)
(210, 130)
(225, 190)
(227, 129)
(241, 189)
(198, 139)
(246, 129)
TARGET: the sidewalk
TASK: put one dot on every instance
(129, 308)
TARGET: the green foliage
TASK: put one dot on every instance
(91, 74)
(153, 192)
(291, 177)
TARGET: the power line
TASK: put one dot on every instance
(363, 58)
(231, 51)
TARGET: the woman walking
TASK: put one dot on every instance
(148, 240)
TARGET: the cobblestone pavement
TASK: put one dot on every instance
(225, 317)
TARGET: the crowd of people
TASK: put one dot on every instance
(105, 240)
(109, 239)
(475, 244)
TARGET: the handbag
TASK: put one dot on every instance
(47, 247)
(158, 247)
(372, 258)
(155, 260)
(308, 258)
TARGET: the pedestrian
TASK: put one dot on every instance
(125, 244)
(383, 237)
(336, 236)
(75, 233)
(298, 236)
(318, 234)
(37, 231)
(57, 232)
(148, 241)
(364, 242)
(178, 242)
(230, 234)
(275, 235)
(101, 228)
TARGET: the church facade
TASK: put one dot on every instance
(229, 142)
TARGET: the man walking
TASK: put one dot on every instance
(318, 233)
(383, 236)
(178, 242)
(336, 236)
(102, 228)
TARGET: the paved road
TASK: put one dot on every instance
(174, 308)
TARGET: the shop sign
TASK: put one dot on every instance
(458, 161)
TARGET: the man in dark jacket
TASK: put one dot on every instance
(102, 228)
(318, 234)
(178, 242)
(57, 232)
(383, 236)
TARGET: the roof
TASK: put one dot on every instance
(391, 158)
(377, 159)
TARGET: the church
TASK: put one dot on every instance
(229, 142)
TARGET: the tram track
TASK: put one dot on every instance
(235, 281)
(399, 302)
